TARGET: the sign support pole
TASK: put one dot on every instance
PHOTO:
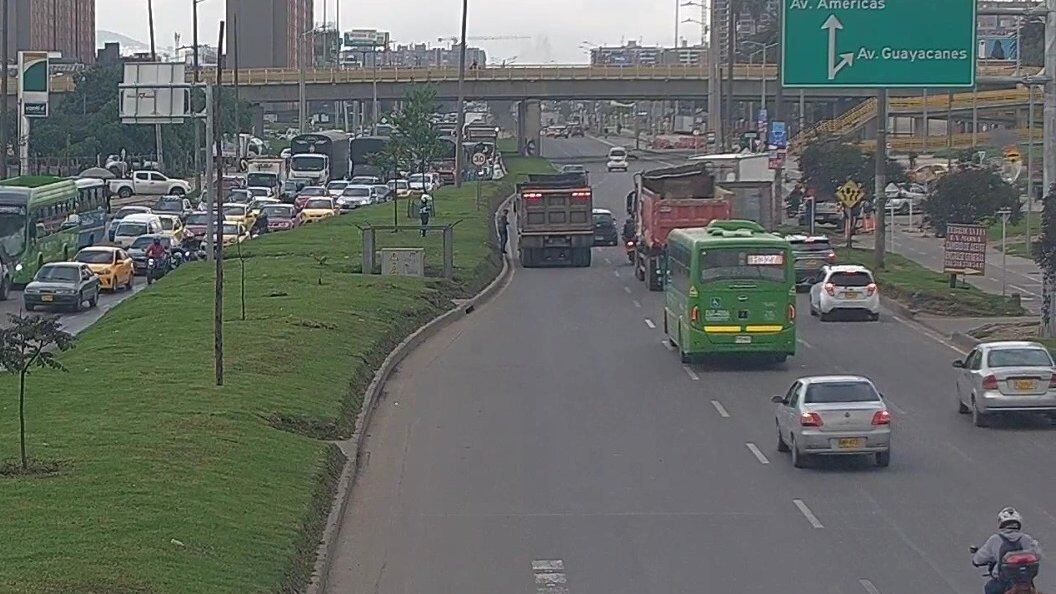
(879, 197)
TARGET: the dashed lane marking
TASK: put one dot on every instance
(627, 289)
(649, 323)
(692, 374)
(869, 587)
(804, 343)
(616, 272)
(809, 515)
(757, 453)
(637, 303)
(550, 576)
(667, 344)
(721, 409)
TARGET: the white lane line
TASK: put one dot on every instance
(626, 289)
(807, 513)
(757, 453)
(804, 343)
(550, 576)
(721, 409)
(1022, 290)
(616, 272)
(869, 587)
(649, 323)
(667, 344)
(692, 374)
(608, 261)
(637, 303)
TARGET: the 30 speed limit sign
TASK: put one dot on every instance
(479, 159)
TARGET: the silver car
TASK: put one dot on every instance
(833, 415)
(1009, 376)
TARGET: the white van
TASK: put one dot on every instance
(135, 225)
(617, 159)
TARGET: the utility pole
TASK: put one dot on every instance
(234, 52)
(715, 116)
(218, 297)
(677, 18)
(1030, 162)
(731, 46)
(879, 197)
(153, 58)
(3, 91)
(1048, 152)
(197, 79)
(302, 92)
(460, 133)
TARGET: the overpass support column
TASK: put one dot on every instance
(522, 133)
(533, 123)
(258, 120)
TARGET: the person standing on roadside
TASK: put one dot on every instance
(503, 225)
(425, 208)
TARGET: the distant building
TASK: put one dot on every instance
(417, 55)
(109, 54)
(746, 24)
(633, 54)
(271, 33)
(64, 26)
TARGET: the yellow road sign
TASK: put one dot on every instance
(850, 194)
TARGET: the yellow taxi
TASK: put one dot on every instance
(239, 213)
(111, 264)
(318, 209)
(234, 233)
(172, 226)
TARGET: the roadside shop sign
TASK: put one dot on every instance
(965, 249)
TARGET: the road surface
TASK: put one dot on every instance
(551, 442)
(72, 321)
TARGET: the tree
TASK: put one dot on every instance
(1045, 256)
(969, 195)
(413, 127)
(27, 344)
(390, 160)
(828, 164)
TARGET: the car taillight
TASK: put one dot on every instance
(694, 314)
(830, 257)
(1052, 381)
(581, 195)
(532, 196)
(810, 419)
(791, 313)
(870, 289)
(990, 382)
(830, 288)
(881, 417)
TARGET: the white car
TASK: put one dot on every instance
(356, 196)
(617, 159)
(421, 183)
(261, 192)
(335, 188)
(845, 288)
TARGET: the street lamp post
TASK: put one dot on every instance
(1004, 213)
(197, 125)
(460, 132)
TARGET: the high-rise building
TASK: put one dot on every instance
(271, 33)
(64, 26)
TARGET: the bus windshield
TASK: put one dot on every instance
(12, 230)
(308, 162)
(743, 264)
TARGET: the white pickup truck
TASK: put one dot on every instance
(149, 183)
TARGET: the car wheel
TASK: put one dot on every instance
(824, 317)
(781, 445)
(94, 300)
(80, 302)
(176, 191)
(131, 279)
(30, 307)
(798, 460)
(125, 192)
(5, 288)
(979, 418)
(874, 317)
(683, 356)
(883, 459)
(961, 407)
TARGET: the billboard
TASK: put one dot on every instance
(33, 84)
(366, 38)
(154, 93)
(965, 249)
(998, 48)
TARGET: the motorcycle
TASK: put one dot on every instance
(630, 246)
(152, 267)
(1018, 568)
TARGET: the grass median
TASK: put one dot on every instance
(166, 483)
(928, 291)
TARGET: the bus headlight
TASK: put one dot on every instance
(18, 267)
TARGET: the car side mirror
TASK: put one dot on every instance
(958, 364)
(777, 399)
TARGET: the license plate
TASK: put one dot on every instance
(743, 340)
(1024, 385)
(852, 295)
(47, 298)
(850, 443)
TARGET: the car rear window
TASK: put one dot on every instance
(1018, 357)
(851, 279)
(811, 246)
(835, 392)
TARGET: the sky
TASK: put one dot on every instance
(557, 28)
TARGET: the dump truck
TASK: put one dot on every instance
(664, 200)
(555, 225)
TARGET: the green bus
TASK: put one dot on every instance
(36, 225)
(730, 289)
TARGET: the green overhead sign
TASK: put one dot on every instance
(878, 43)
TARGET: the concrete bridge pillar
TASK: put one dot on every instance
(522, 134)
(533, 129)
(258, 120)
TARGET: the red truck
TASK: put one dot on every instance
(667, 199)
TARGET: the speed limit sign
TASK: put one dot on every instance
(479, 159)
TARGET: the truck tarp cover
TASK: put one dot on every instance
(687, 181)
(554, 181)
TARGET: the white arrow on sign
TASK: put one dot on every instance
(832, 24)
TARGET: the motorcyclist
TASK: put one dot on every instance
(260, 225)
(628, 230)
(156, 250)
(1008, 538)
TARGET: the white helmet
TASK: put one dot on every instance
(426, 197)
(1007, 516)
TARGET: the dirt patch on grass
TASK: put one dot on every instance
(35, 467)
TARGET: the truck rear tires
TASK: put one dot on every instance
(581, 257)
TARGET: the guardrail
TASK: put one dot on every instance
(959, 141)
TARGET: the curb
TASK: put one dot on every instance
(964, 341)
(959, 339)
(352, 446)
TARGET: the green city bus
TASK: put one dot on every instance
(35, 223)
(730, 289)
